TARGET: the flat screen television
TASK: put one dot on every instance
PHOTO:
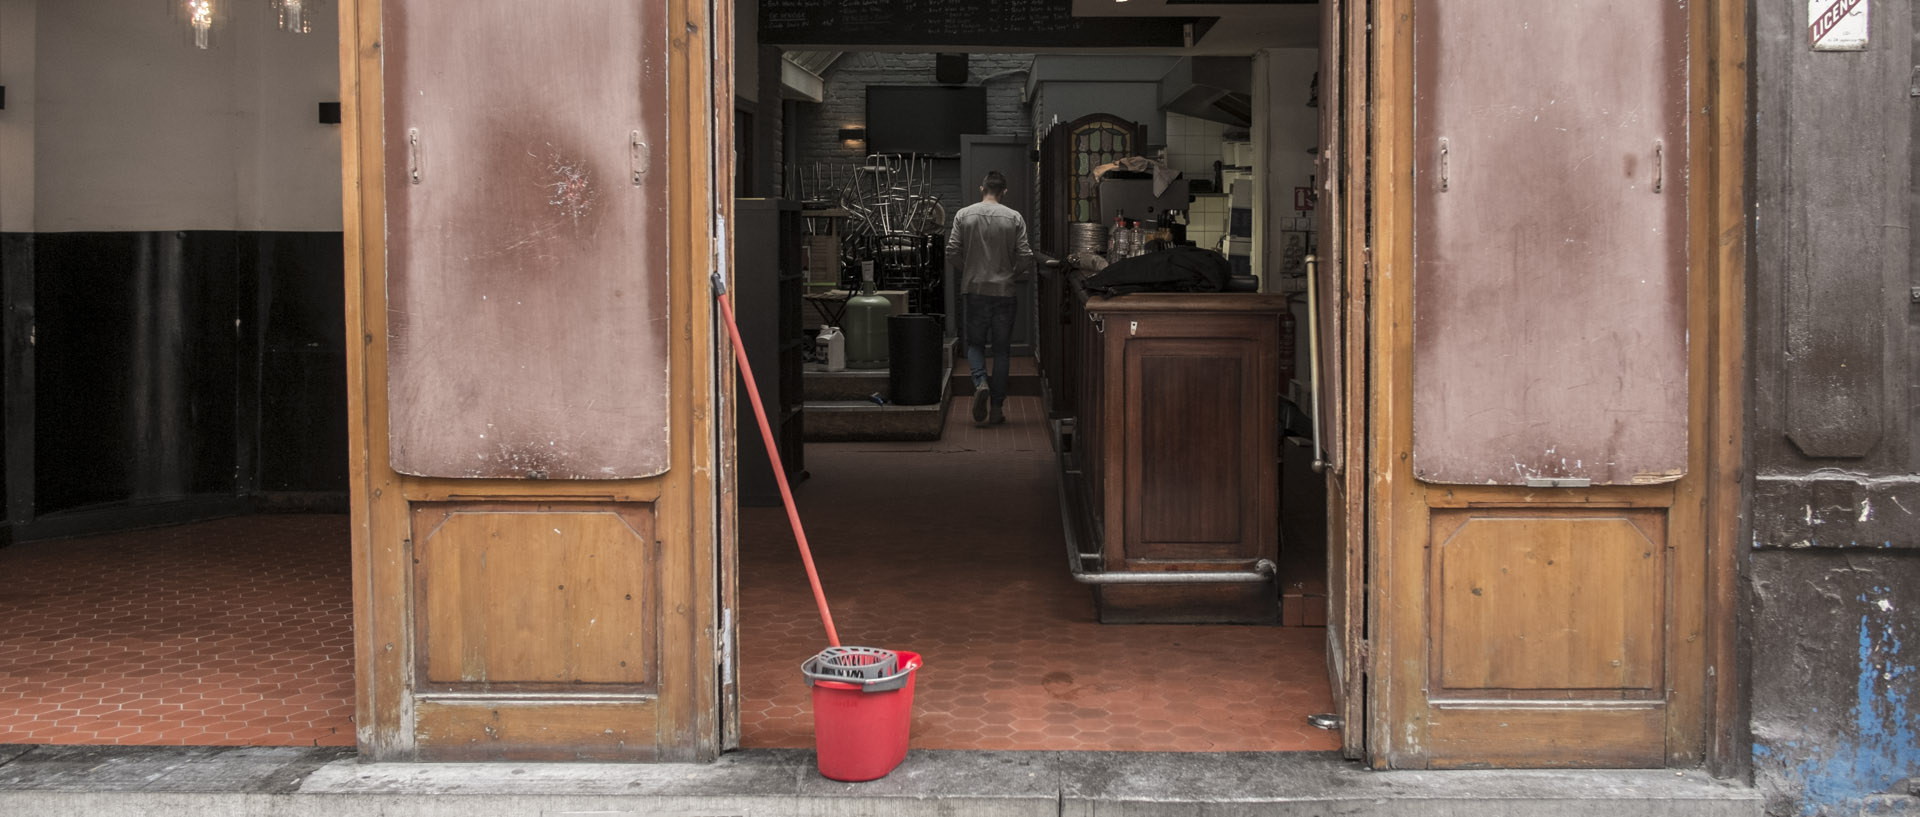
(923, 119)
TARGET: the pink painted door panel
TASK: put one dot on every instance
(527, 238)
(1550, 273)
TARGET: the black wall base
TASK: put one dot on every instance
(157, 377)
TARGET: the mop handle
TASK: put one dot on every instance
(779, 473)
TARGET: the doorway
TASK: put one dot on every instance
(955, 547)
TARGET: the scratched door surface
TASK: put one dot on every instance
(1550, 277)
(526, 239)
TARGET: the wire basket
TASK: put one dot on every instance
(870, 668)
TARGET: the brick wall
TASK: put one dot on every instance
(818, 126)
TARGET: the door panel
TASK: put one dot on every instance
(1550, 257)
(1187, 469)
(542, 596)
(529, 309)
(526, 255)
(1547, 602)
(1620, 737)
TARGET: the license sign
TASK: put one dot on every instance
(1837, 25)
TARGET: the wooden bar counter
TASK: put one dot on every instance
(1174, 459)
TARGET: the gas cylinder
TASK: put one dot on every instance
(866, 325)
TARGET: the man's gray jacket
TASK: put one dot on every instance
(987, 248)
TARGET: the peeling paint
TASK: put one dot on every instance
(1878, 746)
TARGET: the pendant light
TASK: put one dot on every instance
(200, 16)
(296, 15)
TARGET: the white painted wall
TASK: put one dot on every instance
(16, 122)
(1287, 128)
(135, 129)
(290, 179)
(1291, 126)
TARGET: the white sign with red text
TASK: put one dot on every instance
(1837, 25)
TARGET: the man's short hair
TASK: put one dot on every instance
(995, 184)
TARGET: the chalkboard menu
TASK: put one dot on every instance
(1011, 23)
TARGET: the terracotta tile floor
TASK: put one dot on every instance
(235, 632)
(955, 552)
(238, 631)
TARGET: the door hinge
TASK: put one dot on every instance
(724, 644)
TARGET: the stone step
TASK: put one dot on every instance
(43, 781)
(867, 421)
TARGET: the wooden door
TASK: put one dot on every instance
(1339, 304)
(532, 395)
(1549, 381)
(1069, 186)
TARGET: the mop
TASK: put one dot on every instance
(779, 473)
(858, 735)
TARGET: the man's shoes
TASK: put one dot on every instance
(981, 396)
(997, 417)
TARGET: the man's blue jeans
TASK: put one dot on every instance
(990, 320)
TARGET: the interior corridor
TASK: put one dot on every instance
(953, 549)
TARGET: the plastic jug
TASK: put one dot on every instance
(833, 346)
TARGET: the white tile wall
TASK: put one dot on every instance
(1207, 221)
(1193, 144)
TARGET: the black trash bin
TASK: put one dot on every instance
(913, 359)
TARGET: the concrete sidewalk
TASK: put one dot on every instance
(107, 781)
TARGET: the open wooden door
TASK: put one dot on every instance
(529, 207)
(1547, 384)
(1339, 348)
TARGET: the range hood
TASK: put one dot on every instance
(1214, 88)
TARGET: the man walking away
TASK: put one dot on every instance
(987, 248)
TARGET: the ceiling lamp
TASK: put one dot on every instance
(296, 15)
(200, 16)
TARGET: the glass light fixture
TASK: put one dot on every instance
(296, 15)
(200, 15)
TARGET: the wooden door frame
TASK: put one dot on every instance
(690, 526)
(1710, 726)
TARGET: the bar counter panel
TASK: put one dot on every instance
(1175, 403)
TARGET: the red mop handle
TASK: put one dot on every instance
(779, 473)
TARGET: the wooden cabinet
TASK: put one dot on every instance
(767, 288)
(1177, 447)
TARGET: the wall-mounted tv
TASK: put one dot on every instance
(923, 119)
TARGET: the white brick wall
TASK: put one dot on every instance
(818, 126)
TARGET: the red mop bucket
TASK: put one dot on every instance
(862, 710)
